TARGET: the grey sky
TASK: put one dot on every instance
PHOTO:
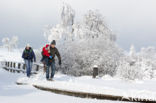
(134, 21)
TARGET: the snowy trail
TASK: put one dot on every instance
(105, 85)
(12, 93)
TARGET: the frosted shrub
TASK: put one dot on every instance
(85, 44)
(129, 70)
(137, 65)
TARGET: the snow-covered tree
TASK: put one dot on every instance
(62, 31)
(67, 15)
(85, 44)
(14, 42)
(95, 26)
(10, 43)
(140, 65)
(5, 42)
(132, 52)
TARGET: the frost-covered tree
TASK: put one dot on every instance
(140, 65)
(67, 15)
(62, 31)
(149, 54)
(5, 42)
(10, 43)
(14, 42)
(132, 52)
(95, 26)
(85, 44)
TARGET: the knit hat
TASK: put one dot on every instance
(28, 45)
(53, 42)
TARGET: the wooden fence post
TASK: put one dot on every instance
(24, 66)
(11, 70)
(37, 67)
(14, 65)
(95, 71)
(19, 65)
(8, 64)
(18, 71)
(11, 64)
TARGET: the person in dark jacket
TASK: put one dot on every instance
(51, 62)
(28, 56)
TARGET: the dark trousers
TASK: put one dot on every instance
(51, 67)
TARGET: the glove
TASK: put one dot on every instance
(60, 62)
(50, 57)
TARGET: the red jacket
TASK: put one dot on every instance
(45, 51)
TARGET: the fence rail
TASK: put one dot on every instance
(19, 67)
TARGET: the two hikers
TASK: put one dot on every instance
(28, 56)
(48, 59)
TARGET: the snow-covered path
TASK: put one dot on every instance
(105, 85)
(12, 93)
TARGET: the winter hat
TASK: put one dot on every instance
(28, 45)
(53, 42)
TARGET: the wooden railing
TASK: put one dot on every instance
(20, 67)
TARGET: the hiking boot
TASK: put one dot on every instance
(50, 79)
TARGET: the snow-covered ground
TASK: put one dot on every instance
(14, 55)
(11, 93)
(105, 85)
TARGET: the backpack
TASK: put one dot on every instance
(27, 53)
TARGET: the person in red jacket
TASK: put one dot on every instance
(45, 50)
(45, 56)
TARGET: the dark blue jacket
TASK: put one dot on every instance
(29, 54)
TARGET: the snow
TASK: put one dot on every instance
(95, 66)
(14, 55)
(12, 93)
(82, 45)
(105, 85)
(101, 85)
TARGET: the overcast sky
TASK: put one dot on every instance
(134, 21)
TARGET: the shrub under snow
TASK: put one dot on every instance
(85, 44)
(141, 65)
